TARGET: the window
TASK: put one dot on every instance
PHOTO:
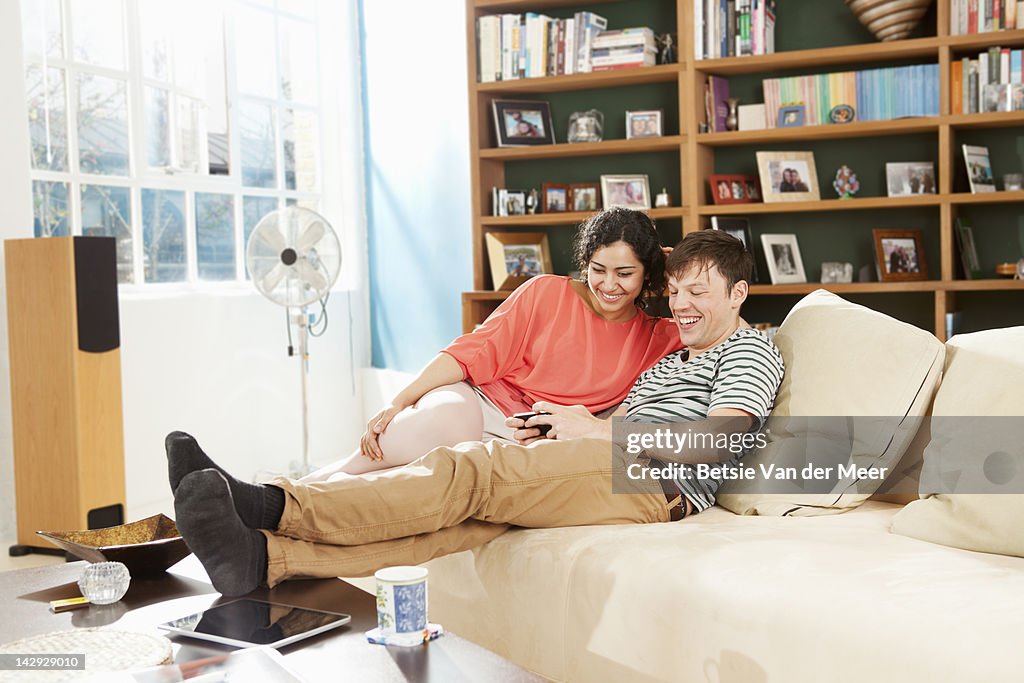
(171, 126)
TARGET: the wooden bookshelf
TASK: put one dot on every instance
(697, 151)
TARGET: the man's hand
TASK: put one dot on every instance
(567, 422)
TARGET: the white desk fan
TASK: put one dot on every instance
(294, 257)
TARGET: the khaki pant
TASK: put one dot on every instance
(449, 500)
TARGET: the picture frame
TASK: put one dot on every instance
(979, 169)
(734, 189)
(645, 123)
(782, 252)
(968, 249)
(627, 191)
(791, 117)
(788, 176)
(910, 178)
(584, 197)
(522, 123)
(555, 198)
(842, 113)
(899, 255)
(740, 229)
(508, 202)
(515, 257)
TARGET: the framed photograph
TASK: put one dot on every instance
(556, 198)
(740, 229)
(628, 191)
(584, 197)
(519, 123)
(979, 169)
(783, 256)
(515, 257)
(644, 124)
(968, 251)
(791, 117)
(734, 189)
(788, 176)
(508, 202)
(900, 255)
(842, 113)
(905, 179)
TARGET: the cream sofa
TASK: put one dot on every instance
(805, 588)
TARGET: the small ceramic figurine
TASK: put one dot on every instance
(663, 199)
(846, 184)
(532, 200)
(668, 50)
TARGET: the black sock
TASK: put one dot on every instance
(184, 456)
(235, 556)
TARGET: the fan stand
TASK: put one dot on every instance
(301, 319)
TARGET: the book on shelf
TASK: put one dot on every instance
(733, 28)
(875, 94)
(716, 103)
(982, 16)
(623, 48)
(533, 45)
(992, 82)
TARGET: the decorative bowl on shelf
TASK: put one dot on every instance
(889, 19)
(147, 547)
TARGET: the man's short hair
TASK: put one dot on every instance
(712, 248)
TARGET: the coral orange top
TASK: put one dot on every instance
(544, 343)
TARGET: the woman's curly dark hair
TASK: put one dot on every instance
(635, 229)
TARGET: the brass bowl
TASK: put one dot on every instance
(147, 547)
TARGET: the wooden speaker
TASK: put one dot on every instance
(64, 339)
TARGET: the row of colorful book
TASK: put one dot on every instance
(875, 94)
(982, 16)
(531, 45)
(733, 28)
(992, 82)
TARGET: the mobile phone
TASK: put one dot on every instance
(526, 416)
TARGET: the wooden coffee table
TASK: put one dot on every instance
(341, 654)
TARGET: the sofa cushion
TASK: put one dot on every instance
(984, 378)
(721, 597)
(839, 367)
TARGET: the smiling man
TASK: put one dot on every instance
(456, 498)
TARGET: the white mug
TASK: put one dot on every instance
(402, 603)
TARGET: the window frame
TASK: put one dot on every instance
(142, 176)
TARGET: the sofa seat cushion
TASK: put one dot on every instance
(984, 380)
(838, 367)
(722, 597)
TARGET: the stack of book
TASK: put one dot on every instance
(624, 49)
(531, 45)
(992, 82)
(733, 28)
(981, 16)
(875, 94)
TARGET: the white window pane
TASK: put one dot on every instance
(156, 25)
(41, 27)
(158, 127)
(301, 140)
(97, 31)
(302, 8)
(253, 209)
(188, 133)
(106, 211)
(163, 235)
(102, 125)
(255, 52)
(298, 61)
(215, 236)
(256, 128)
(50, 208)
(47, 117)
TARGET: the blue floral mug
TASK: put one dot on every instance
(402, 601)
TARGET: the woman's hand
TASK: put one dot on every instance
(567, 422)
(369, 444)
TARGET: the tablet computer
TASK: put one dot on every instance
(246, 622)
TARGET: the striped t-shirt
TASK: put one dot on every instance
(743, 372)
